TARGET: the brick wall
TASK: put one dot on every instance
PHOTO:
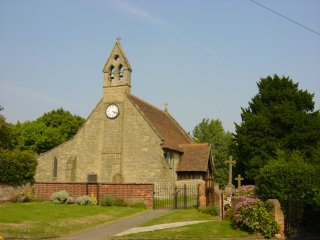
(129, 192)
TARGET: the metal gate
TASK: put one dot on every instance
(172, 196)
(301, 222)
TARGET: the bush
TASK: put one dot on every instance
(252, 215)
(138, 205)
(294, 179)
(246, 191)
(109, 200)
(85, 200)
(17, 167)
(62, 197)
(210, 210)
(21, 198)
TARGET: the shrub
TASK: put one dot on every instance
(295, 179)
(17, 167)
(138, 205)
(109, 200)
(210, 210)
(246, 191)
(21, 198)
(228, 214)
(253, 216)
(94, 199)
(62, 197)
(85, 200)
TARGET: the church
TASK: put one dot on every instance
(126, 140)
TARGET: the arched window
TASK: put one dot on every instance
(55, 167)
(120, 72)
(111, 73)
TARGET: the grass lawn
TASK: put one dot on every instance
(46, 219)
(212, 229)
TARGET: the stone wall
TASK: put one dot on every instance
(128, 192)
(8, 193)
(121, 150)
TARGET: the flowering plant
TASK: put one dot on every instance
(252, 215)
(246, 191)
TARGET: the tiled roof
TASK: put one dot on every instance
(163, 124)
(195, 158)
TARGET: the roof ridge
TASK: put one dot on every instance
(195, 144)
(149, 104)
(181, 128)
(165, 126)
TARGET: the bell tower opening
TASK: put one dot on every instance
(117, 72)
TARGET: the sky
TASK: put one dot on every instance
(202, 57)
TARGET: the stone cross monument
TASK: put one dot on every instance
(229, 187)
(239, 179)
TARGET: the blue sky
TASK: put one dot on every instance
(203, 57)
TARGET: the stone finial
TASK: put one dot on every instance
(166, 104)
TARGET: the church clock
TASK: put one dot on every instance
(112, 111)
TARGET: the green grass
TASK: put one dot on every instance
(170, 202)
(212, 229)
(51, 220)
(181, 215)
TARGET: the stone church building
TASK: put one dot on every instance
(126, 140)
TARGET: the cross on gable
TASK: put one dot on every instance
(166, 104)
(239, 179)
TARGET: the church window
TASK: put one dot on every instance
(120, 72)
(116, 57)
(169, 157)
(55, 167)
(111, 73)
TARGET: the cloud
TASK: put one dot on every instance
(128, 8)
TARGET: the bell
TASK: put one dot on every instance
(112, 76)
(121, 74)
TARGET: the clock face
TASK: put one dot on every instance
(112, 111)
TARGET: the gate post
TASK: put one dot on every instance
(202, 195)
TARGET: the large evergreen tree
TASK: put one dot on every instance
(211, 131)
(279, 117)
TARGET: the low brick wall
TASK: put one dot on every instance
(128, 192)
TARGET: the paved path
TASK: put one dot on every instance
(158, 227)
(107, 231)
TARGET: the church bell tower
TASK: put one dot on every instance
(117, 74)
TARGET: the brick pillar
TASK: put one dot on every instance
(202, 195)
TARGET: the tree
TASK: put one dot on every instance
(281, 117)
(48, 131)
(17, 167)
(6, 134)
(211, 131)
